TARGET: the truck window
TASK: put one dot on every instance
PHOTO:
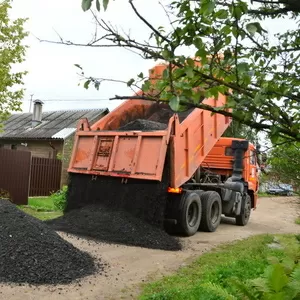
(252, 158)
(228, 151)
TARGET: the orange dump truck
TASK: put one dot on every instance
(170, 168)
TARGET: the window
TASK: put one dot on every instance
(228, 151)
(252, 158)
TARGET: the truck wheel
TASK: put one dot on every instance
(211, 211)
(190, 215)
(244, 217)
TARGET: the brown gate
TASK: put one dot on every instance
(14, 174)
(45, 176)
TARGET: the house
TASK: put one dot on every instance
(46, 134)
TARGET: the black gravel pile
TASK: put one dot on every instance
(143, 125)
(114, 227)
(31, 252)
(145, 199)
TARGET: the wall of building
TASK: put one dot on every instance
(42, 148)
(65, 157)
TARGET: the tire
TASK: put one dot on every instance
(243, 218)
(190, 215)
(211, 211)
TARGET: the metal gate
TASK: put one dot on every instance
(15, 174)
(45, 176)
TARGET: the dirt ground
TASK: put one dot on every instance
(129, 266)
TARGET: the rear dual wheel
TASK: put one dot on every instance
(204, 214)
(190, 214)
(211, 211)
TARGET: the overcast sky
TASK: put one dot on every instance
(52, 76)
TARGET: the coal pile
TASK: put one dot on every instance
(143, 125)
(114, 227)
(31, 252)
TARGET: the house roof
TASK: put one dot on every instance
(54, 125)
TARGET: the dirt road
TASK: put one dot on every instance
(130, 266)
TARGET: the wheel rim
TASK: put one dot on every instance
(192, 214)
(247, 209)
(215, 212)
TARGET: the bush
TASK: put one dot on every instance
(60, 198)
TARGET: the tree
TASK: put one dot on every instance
(239, 130)
(284, 163)
(11, 52)
(258, 70)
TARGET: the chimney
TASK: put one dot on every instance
(37, 112)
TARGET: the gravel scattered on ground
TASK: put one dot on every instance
(114, 227)
(31, 252)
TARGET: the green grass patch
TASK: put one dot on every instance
(41, 204)
(297, 221)
(246, 259)
(42, 215)
(42, 208)
(263, 195)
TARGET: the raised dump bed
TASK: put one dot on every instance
(107, 148)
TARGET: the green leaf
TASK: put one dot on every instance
(277, 278)
(190, 62)
(165, 73)
(130, 82)
(105, 4)
(189, 72)
(98, 5)
(254, 27)
(166, 54)
(86, 4)
(97, 85)
(141, 75)
(198, 42)
(78, 66)
(222, 14)
(260, 284)
(86, 84)
(146, 86)
(175, 103)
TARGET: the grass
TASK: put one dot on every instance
(41, 204)
(297, 221)
(244, 260)
(42, 215)
(263, 195)
(41, 208)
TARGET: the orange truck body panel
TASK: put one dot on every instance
(220, 158)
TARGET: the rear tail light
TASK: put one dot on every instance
(174, 190)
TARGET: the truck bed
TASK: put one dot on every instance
(107, 149)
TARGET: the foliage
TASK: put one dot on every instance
(258, 70)
(60, 198)
(41, 215)
(239, 130)
(284, 160)
(280, 280)
(12, 52)
(247, 269)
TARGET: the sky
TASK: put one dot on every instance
(52, 75)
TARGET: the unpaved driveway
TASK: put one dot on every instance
(130, 265)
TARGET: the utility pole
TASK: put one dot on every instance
(30, 102)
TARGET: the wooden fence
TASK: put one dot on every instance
(22, 175)
(14, 175)
(45, 176)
